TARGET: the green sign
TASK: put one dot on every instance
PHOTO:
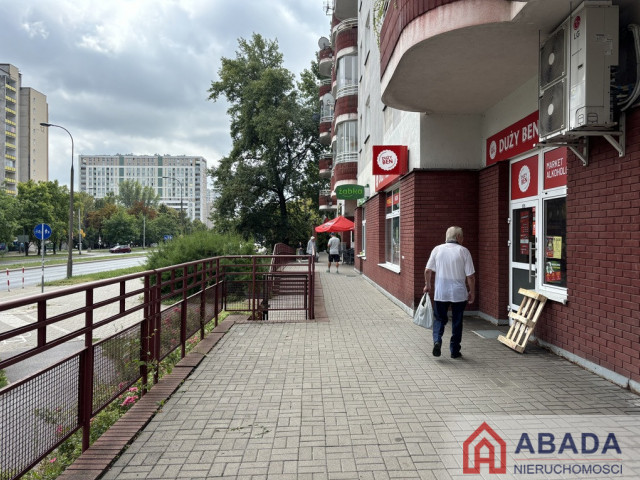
(349, 192)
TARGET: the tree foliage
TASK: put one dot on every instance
(132, 194)
(273, 160)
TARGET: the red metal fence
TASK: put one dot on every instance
(127, 325)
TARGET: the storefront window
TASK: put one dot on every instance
(392, 227)
(555, 242)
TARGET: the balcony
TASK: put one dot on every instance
(461, 56)
(325, 62)
(345, 169)
(326, 162)
(345, 37)
(326, 201)
(345, 9)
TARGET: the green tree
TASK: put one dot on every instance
(8, 219)
(132, 193)
(273, 160)
(43, 202)
(120, 228)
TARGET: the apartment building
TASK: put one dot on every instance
(24, 144)
(180, 181)
(517, 121)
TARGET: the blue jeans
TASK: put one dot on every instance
(440, 318)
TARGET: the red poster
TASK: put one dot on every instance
(555, 168)
(518, 138)
(524, 178)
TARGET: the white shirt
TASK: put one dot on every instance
(334, 246)
(452, 264)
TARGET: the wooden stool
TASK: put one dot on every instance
(524, 320)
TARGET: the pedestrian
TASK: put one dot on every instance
(454, 287)
(311, 248)
(334, 251)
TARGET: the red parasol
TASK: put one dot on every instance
(338, 224)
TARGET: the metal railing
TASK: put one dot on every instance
(127, 326)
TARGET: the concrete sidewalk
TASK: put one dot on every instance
(359, 396)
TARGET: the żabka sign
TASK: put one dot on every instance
(389, 163)
(518, 138)
(485, 446)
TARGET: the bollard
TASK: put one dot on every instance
(23, 277)
(8, 287)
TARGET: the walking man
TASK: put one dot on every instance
(454, 287)
(334, 251)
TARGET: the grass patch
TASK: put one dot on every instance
(92, 277)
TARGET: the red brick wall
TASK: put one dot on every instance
(344, 105)
(346, 38)
(601, 321)
(430, 202)
(492, 268)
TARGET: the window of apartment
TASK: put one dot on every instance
(347, 75)
(392, 227)
(347, 142)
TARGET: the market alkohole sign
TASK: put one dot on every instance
(349, 192)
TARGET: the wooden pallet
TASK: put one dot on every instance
(524, 320)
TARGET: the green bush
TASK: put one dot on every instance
(3, 379)
(198, 246)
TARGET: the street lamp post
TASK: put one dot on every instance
(70, 240)
(181, 212)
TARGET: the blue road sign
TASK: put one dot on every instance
(42, 231)
(168, 237)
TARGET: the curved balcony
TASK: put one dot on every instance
(326, 201)
(346, 109)
(324, 130)
(325, 62)
(345, 8)
(326, 162)
(345, 169)
(489, 46)
(345, 37)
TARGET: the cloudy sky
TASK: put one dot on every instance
(131, 76)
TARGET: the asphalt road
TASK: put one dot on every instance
(33, 275)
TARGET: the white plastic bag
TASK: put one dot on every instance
(424, 313)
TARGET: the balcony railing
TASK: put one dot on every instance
(136, 330)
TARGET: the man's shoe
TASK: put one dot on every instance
(456, 355)
(328, 270)
(436, 349)
(337, 271)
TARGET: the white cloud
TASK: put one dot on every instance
(132, 76)
(35, 29)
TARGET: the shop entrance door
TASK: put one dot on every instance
(524, 249)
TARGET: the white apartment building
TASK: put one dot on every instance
(180, 181)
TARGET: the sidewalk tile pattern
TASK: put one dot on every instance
(356, 397)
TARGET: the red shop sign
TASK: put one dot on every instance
(555, 168)
(524, 178)
(518, 138)
(389, 159)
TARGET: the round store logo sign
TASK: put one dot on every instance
(387, 160)
(493, 149)
(524, 179)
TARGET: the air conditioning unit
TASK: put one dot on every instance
(576, 72)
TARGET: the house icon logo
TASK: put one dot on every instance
(484, 445)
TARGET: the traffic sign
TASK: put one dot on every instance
(42, 231)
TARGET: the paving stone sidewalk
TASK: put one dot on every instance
(358, 396)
